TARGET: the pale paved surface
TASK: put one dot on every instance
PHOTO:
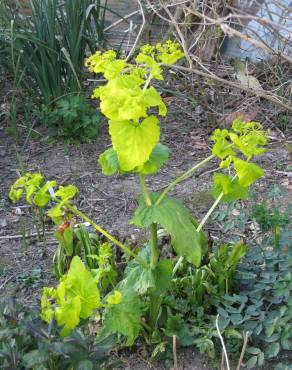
(124, 34)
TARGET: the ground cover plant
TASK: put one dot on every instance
(149, 291)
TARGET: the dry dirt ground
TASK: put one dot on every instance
(110, 201)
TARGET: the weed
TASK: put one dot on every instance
(72, 118)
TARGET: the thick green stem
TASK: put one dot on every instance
(155, 302)
(145, 190)
(107, 235)
(182, 177)
(154, 247)
(153, 241)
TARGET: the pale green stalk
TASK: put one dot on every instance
(184, 176)
(107, 235)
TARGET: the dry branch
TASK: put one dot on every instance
(259, 93)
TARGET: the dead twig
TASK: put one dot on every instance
(260, 93)
(245, 340)
(222, 343)
(20, 236)
(139, 33)
(232, 32)
(175, 367)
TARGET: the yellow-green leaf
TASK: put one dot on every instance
(134, 142)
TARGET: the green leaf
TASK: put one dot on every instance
(68, 240)
(157, 159)
(42, 197)
(261, 359)
(15, 194)
(68, 315)
(124, 318)
(232, 190)
(272, 350)
(177, 220)
(253, 350)
(251, 362)
(66, 192)
(222, 147)
(138, 278)
(56, 211)
(247, 172)
(79, 282)
(75, 298)
(162, 274)
(109, 162)
(153, 99)
(134, 142)
(35, 358)
(84, 365)
(175, 325)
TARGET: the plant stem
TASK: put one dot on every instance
(107, 235)
(154, 247)
(36, 224)
(145, 190)
(153, 228)
(155, 301)
(182, 177)
(154, 308)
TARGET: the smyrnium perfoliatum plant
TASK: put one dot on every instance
(133, 106)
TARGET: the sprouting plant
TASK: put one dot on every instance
(36, 197)
(129, 102)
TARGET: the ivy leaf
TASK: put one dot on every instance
(124, 318)
(251, 362)
(272, 350)
(134, 142)
(232, 190)
(157, 159)
(177, 220)
(247, 172)
(109, 162)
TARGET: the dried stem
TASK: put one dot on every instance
(245, 340)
